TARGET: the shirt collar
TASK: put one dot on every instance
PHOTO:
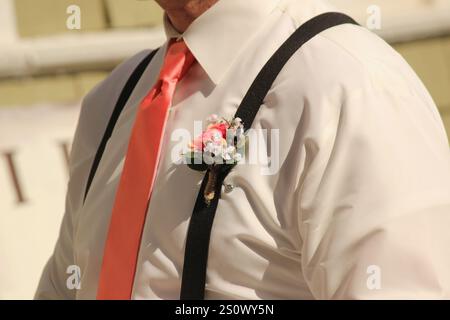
(216, 37)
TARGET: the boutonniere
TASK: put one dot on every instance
(221, 143)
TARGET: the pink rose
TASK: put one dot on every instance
(211, 134)
(222, 127)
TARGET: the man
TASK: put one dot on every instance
(358, 207)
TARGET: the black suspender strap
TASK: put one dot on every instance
(120, 104)
(198, 236)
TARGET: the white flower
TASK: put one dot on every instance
(227, 153)
(208, 158)
(237, 157)
(213, 148)
(212, 118)
(217, 136)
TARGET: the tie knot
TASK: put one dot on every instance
(177, 61)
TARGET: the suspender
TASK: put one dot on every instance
(120, 104)
(197, 242)
(198, 236)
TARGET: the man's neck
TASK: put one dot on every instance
(181, 16)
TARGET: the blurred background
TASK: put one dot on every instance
(52, 52)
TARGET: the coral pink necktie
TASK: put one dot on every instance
(138, 176)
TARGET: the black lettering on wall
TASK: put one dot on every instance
(9, 156)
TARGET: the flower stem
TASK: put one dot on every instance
(211, 185)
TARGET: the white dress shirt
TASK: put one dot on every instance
(359, 207)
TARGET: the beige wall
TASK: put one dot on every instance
(48, 17)
(431, 60)
(35, 139)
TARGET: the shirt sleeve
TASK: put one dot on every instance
(54, 279)
(374, 206)
(59, 277)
